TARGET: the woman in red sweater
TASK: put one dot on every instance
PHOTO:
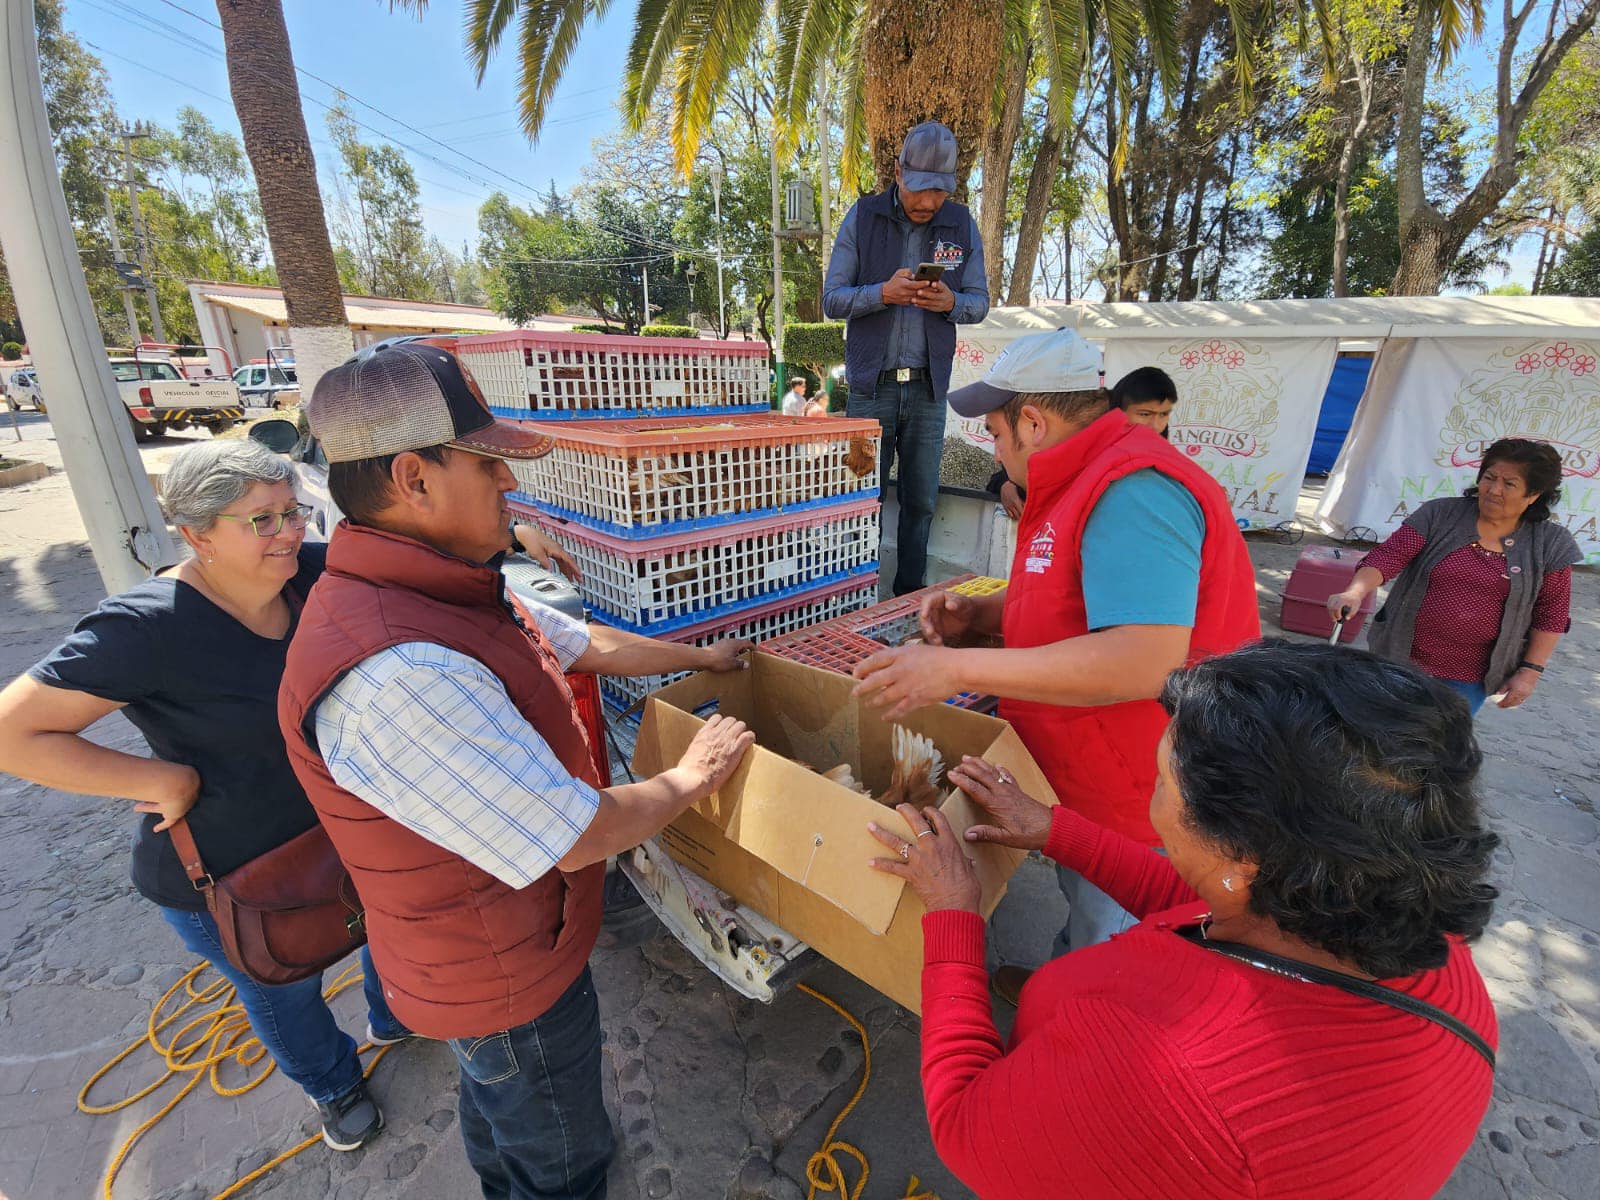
(1323, 842)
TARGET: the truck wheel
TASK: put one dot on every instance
(218, 428)
(143, 432)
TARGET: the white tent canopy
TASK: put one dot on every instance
(1251, 376)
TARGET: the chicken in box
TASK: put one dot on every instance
(787, 834)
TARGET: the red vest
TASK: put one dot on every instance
(461, 953)
(1101, 759)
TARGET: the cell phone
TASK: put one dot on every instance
(929, 272)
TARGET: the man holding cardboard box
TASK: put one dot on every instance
(1129, 564)
(427, 715)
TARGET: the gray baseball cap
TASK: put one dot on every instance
(409, 396)
(928, 159)
(1057, 361)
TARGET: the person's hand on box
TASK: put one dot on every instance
(945, 616)
(934, 862)
(902, 679)
(1017, 819)
(546, 551)
(715, 753)
(730, 654)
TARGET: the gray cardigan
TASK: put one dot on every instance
(1532, 551)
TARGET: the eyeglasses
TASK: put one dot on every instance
(271, 524)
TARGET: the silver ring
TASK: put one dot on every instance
(1003, 775)
(905, 850)
(926, 833)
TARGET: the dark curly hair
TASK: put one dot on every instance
(1348, 780)
(1541, 468)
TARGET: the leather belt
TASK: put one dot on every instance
(902, 374)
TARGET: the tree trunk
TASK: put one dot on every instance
(1349, 153)
(1545, 241)
(267, 101)
(932, 60)
(1188, 285)
(999, 146)
(1035, 207)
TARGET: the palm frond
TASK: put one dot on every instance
(1453, 19)
(853, 117)
(809, 31)
(486, 22)
(1161, 25)
(719, 34)
(657, 36)
(1016, 26)
(1063, 44)
(547, 38)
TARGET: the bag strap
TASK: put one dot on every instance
(1296, 969)
(189, 857)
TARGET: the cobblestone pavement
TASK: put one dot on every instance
(714, 1096)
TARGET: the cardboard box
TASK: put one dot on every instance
(793, 845)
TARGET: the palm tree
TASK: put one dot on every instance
(261, 79)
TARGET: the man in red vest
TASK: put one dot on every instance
(1129, 564)
(427, 715)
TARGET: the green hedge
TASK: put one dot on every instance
(677, 331)
(597, 329)
(11, 351)
(817, 346)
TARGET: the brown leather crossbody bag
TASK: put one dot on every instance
(285, 915)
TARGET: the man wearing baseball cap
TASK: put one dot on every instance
(427, 716)
(1129, 564)
(900, 332)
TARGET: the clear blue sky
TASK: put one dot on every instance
(414, 70)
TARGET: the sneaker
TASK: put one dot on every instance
(1007, 983)
(350, 1121)
(394, 1039)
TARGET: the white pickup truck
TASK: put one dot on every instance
(159, 398)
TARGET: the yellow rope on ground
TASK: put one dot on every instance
(214, 1032)
(823, 1170)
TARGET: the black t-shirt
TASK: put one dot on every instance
(203, 690)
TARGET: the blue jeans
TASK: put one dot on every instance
(532, 1116)
(1093, 916)
(1473, 693)
(913, 423)
(292, 1020)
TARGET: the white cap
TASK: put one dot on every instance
(1057, 361)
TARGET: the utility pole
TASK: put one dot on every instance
(646, 268)
(824, 120)
(118, 262)
(126, 529)
(129, 135)
(716, 201)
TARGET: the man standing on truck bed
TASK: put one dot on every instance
(427, 716)
(899, 251)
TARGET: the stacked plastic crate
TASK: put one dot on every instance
(694, 512)
(841, 643)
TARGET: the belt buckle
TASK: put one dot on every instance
(902, 374)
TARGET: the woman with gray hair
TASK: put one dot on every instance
(193, 658)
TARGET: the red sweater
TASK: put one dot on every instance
(1149, 1066)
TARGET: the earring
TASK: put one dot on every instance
(1227, 882)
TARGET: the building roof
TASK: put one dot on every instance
(1357, 317)
(380, 312)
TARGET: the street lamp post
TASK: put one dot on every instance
(716, 201)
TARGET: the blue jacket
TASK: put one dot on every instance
(872, 245)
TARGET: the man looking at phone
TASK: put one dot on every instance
(907, 268)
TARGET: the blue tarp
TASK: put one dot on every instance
(1339, 402)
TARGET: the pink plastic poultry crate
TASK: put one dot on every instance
(759, 623)
(641, 478)
(565, 376)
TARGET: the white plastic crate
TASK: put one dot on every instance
(667, 583)
(769, 620)
(563, 376)
(645, 478)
